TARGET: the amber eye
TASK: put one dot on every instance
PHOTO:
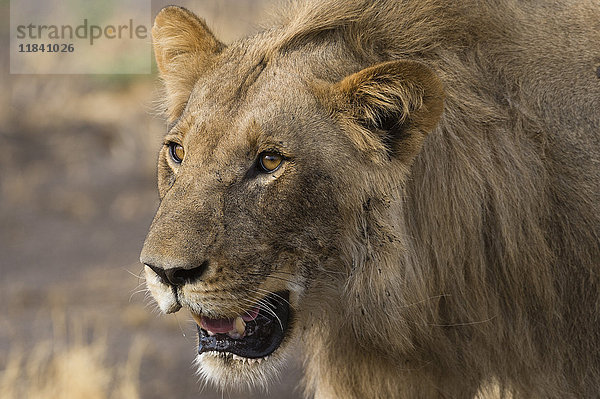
(270, 161)
(176, 151)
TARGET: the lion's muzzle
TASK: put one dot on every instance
(252, 335)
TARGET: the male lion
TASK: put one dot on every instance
(410, 189)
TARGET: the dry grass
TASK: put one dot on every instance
(73, 368)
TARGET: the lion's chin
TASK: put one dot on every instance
(228, 371)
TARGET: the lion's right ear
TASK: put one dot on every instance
(183, 47)
(389, 108)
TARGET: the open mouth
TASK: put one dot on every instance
(252, 335)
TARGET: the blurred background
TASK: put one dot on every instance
(77, 194)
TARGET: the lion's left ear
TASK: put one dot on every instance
(184, 48)
(399, 102)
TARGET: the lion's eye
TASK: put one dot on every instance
(176, 151)
(270, 161)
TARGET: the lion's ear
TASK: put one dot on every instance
(183, 47)
(399, 102)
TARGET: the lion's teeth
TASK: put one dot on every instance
(234, 334)
(239, 328)
(248, 360)
(240, 325)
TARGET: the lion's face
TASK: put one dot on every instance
(257, 179)
(247, 213)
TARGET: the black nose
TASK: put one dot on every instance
(179, 276)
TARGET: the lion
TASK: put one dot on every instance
(407, 191)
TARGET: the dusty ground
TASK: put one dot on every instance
(77, 193)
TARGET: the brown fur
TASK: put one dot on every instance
(428, 255)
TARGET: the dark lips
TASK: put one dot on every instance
(262, 336)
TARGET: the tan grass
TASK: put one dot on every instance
(71, 370)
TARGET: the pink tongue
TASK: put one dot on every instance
(217, 325)
(225, 325)
(251, 315)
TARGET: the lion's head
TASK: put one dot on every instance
(271, 160)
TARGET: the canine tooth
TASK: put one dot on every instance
(234, 334)
(240, 325)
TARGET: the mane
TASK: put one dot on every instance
(375, 26)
